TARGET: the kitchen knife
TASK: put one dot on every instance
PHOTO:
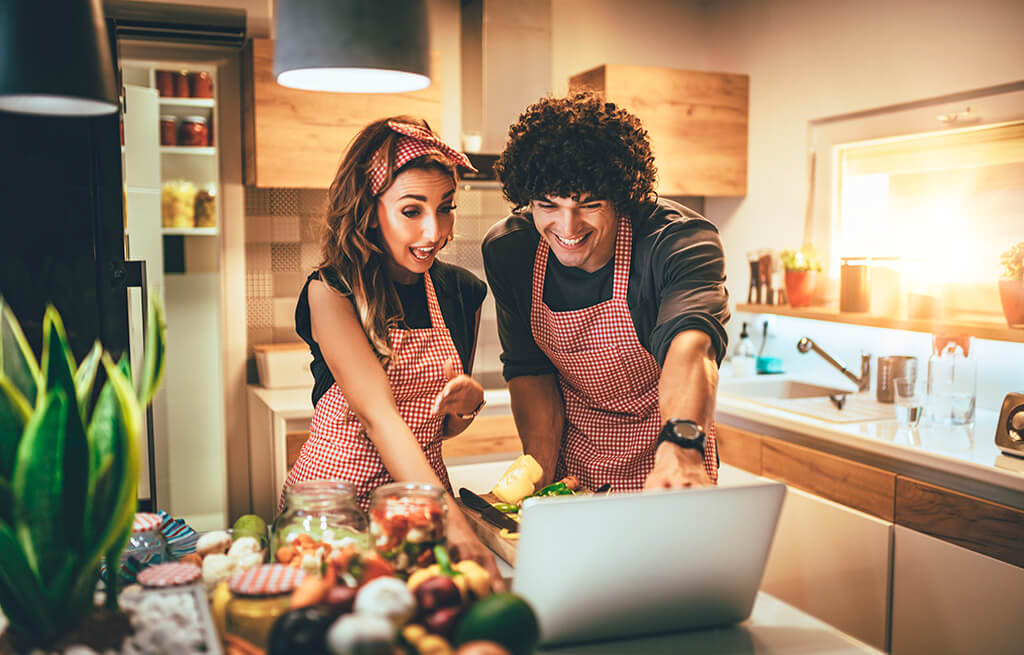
(490, 514)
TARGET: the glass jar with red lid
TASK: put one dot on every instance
(200, 84)
(193, 131)
(181, 84)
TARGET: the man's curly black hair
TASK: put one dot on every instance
(577, 146)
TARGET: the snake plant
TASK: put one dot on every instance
(69, 469)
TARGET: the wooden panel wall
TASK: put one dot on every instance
(296, 138)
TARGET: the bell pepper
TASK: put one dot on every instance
(517, 482)
(467, 575)
(507, 508)
(476, 576)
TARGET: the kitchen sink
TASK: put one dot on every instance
(775, 388)
(809, 399)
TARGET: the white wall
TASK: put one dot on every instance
(806, 59)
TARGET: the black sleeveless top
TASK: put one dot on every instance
(459, 294)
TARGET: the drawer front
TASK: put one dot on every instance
(855, 485)
(739, 448)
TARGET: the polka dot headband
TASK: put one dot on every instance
(413, 141)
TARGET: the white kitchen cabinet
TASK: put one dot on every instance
(834, 563)
(947, 599)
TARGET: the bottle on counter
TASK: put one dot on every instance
(952, 381)
(744, 358)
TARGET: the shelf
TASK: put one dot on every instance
(187, 150)
(187, 102)
(189, 231)
(982, 326)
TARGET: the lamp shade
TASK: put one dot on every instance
(353, 46)
(55, 59)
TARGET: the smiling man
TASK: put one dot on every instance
(611, 303)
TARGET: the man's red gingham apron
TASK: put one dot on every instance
(338, 447)
(608, 379)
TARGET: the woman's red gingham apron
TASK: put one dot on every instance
(338, 447)
(608, 379)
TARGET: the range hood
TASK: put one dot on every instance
(154, 21)
(498, 85)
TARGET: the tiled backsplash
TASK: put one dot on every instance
(282, 248)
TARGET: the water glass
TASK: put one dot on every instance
(909, 401)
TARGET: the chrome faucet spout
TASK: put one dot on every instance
(863, 382)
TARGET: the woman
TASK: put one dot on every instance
(391, 329)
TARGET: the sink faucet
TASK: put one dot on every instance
(863, 382)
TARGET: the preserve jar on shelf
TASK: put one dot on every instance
(180, 79)
(177, 204)
(193, 132)
(200, 84)
(324, 510)
(407, 519)
(168, 130)
(206, 207)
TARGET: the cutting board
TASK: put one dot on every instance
(490, 534)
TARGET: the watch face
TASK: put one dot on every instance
(686, 430)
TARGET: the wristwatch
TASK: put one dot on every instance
(683, 433)
(466, 417)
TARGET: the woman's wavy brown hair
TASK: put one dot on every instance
(351, 244)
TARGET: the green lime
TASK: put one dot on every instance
(250, 525)
(506, 619)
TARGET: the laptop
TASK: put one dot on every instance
(625, 565)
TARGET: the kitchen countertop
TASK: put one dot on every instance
(962, 458)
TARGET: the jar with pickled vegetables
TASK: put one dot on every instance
(325, 511)
(407, 519)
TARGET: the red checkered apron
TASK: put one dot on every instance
(608, 379)
(338, 447)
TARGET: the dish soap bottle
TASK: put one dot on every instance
(766, 361)
(744, 359)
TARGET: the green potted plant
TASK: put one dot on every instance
(1011, 285)
(802, 268)
(69, 468)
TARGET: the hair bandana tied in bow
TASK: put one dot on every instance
(413, 141)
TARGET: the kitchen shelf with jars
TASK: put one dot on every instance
(189, 158)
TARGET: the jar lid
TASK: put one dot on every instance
(145, 522)
(266, 580)
(170, 574)
(168, 117)
(195, 119)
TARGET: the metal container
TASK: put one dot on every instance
(892, 368)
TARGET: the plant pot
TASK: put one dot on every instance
(1011, 293)
(800, 287)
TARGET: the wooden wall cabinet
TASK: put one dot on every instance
(295, 139)
(697, 122)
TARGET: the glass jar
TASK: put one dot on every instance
(258, 598)
(168, 130)
(193, 132)
(206, 207)
(325, 510)
(146, 545)
(165, 83)
(180, 84)
(200, 84)
(407, 519)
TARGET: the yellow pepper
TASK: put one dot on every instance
(476, 576)
(422, 575)
(517, 482)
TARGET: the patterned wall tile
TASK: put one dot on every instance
(257, 201)
(284, 202)
(284, 257)
(309, 227)
(257, 257)
(312, 201)
(257, 229)
(309, 256)
(259, 284)
(284, 229)
(259, 312)
(495, 207)
(469, 202)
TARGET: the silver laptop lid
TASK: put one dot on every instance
(598, 567)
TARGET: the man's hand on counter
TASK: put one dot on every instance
(677, 468)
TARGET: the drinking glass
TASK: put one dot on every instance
(909, 401)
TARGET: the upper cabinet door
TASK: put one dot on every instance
(296, 138)
(697, 123)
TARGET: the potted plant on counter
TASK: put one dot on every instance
(1011, 285)
(802, 268)
(69, 469)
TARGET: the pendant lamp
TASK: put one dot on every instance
(55, 59)
(352, 46)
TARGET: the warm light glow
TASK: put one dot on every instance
(353, 80)
(53, 105)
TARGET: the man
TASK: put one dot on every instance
(611, 303)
